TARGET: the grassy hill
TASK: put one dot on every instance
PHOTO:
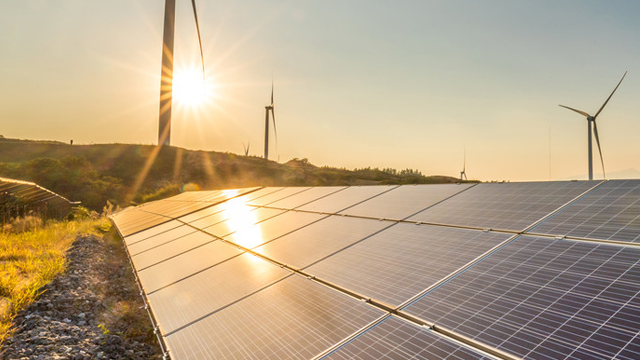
(121, 173)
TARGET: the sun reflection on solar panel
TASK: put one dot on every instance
(241, 220)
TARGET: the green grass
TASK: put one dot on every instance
(31, 255)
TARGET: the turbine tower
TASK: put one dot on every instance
(166, 74)
(463, 173)
(590, 120)
(266, 125)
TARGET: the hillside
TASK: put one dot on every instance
(121, 173)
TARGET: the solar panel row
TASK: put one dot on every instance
(260, 275)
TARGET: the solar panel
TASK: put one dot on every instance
(538, 295)
(277, 195)
(170, 249)
(394, 338)
(240, 218)
(546, 299)
(610, 212)
(272, 228)
(172, 269)
(345, 198)
(320, 239)
(132, 222)
(132, 239)
(201, 214)
(203, 293)
(305, 197)
(160, 239)
(510, 206)
(398, 263)
(404, 201)
(293, 319)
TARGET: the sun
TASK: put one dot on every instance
(189, 87)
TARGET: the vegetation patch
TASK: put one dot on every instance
(32, 253)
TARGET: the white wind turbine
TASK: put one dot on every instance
(590, 120)
(166, 75)
(266, 125)
(463, 173)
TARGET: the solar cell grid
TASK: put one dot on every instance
(311, 243)
(345, 198)
(201, 214)
(170, 270)
(545, 299)
(509, 206)
(397, 339)
(404, 201)
(170, 249)
(277, 195)
(160, 239)
(143, 223)
(610, 212)
(292, 319)
(139, 236)
(205, 292)
(398, 263)
(305, 197)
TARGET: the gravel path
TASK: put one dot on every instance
(92, 311)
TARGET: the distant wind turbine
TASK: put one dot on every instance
(246, 148)
(266, 125)
(592, 119)
(166, 75)
(463, 173)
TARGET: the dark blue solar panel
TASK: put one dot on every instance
(545, 299)
(610, 212)
(397, 339)
(509, 206)
(400, 262)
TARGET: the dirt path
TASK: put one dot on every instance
(92, 311)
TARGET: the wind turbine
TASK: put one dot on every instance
(590, 120)
(463, 173)
(246, 148)
(266, 125)
(166, 74)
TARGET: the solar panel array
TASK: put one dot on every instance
(541, 270)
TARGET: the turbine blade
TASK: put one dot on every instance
(271, 90)
(195, 15)
(595, 131)
(464, 161)
(578, 111)
(614, 90)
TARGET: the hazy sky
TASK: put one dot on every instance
(402, 84)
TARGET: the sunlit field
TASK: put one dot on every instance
(32, 253)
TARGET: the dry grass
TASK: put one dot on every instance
(31, 255)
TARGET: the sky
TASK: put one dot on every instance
(358, 83)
